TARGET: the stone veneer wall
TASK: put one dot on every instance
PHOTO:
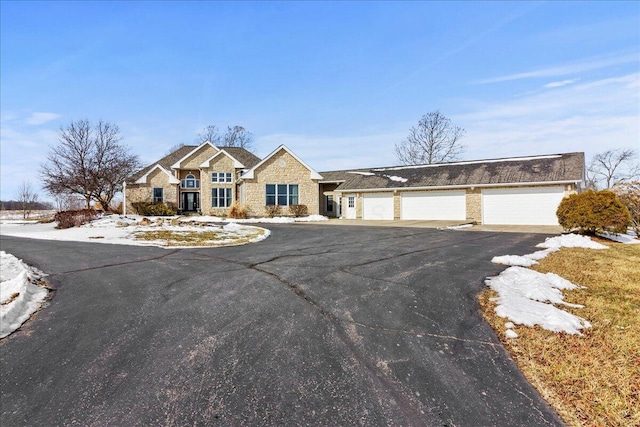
(199, 157)
(144, 192)
(281, 168)
(223, 164)
(474, 205)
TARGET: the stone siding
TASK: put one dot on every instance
(144, 192)
(281, 168)
(474, 205)
(223, 164)
(200, 156)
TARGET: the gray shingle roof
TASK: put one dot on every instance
(242, 155)
(567, 167)
(247, 158)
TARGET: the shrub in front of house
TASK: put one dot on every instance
(74, 218)
(154, 209)
(629, 195)
(593, 211)
(236, 211)
(272, 211)
(298, 210)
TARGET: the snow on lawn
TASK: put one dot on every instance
(629, 238)
(19, 296)
(551, 244)
(117, 229)
(527, 297)
(127, 230)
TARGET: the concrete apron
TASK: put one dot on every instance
(539, 229)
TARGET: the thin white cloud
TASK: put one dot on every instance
(41, 118)
(560, 83)
(591, 117)
(563, 70)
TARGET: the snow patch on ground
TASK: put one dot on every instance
(118, 229)
(458, 227)
(528, 298)
(570, 241)
(629, 239)
(19, 296)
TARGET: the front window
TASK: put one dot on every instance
(329, 203)
(352, 201)
(190, 181)
(221, 177)
(158, 195)
(282, 194)
(220, 197)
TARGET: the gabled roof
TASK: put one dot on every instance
(251, 172)
(165, 162)
(247, 158)
(242, 155)
(556, 168)
(143, 178)
(236, 163)
(176, 165)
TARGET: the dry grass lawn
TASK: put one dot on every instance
(593, 379)
(196, 238)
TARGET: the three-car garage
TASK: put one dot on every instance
(507, 206)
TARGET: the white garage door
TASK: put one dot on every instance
(527, 206)
(434, 205)
(377, 206)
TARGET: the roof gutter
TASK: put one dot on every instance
(457, 187)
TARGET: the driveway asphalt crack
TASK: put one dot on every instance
(115, 264)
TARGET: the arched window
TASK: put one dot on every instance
(190, 181)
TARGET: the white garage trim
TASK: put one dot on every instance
(525, 206)
(377, 206)
(433, 205)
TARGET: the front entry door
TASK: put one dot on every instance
(190, 201)
(351, 207)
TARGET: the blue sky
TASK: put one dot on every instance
(338, 82)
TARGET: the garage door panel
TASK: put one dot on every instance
(434, 205)
(526, 206)
(377, 206)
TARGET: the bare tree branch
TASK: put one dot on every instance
(234, 136)
(210, 133)
(434, 140)
(613, 166)
(237, 136)
(27, 198)
(89, 161)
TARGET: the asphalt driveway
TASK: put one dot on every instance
(316, 325)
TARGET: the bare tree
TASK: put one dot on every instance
(234, 136)
(89, 161)
(210, 133)
(434, 140)
(237, 136)
(613, 166)
(27, 198)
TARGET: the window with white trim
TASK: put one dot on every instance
(221, 177)
(220, 197)
(158, 195)
(190, 181)
(282, 194)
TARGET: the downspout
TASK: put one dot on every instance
(124, 198)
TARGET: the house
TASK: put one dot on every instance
(208, 179)
(518, 190)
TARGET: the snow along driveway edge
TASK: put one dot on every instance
(20, 296)
(527, 297)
